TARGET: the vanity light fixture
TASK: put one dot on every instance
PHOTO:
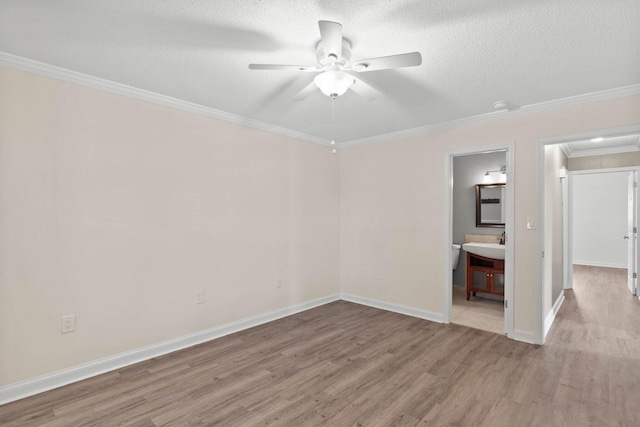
(488, 178)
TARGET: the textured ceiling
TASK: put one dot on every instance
(474, 52)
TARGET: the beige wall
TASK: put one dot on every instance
(393, 196)
(117, 210)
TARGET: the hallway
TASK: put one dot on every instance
(596, 340)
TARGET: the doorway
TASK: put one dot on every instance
(582, 157)
(465, 169)
(603, 221)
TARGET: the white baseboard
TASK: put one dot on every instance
(600, 264)
(61, 378)
(396, 308)
(524, 336)
(57, 379)
(548, 321)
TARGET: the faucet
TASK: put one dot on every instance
(502, 239)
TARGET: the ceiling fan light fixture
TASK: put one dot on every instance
(333, 83)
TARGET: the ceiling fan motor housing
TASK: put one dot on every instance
(331, 60)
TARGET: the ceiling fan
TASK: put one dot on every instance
(334, 60)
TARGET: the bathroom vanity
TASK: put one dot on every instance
(484, 275)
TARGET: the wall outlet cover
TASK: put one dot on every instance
(68, 323)
(199, 297)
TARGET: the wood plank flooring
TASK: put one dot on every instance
(344, 364)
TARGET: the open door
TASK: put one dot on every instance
(632, 232)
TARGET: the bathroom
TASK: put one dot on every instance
(477, 309)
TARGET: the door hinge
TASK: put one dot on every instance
(635, 184)
(635, 275)
(635, 229)
(506, 304)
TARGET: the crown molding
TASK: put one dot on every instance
(571, 153)
(514, 112)
(52, 71)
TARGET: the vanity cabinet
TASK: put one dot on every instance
(484, 275)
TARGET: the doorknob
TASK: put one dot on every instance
(625, 237)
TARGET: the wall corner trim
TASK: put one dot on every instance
(64, 377)
(396, 308)
(551, 316)
(525, 336)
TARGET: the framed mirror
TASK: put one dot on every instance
(490, 205)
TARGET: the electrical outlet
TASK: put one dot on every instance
(199, 297)
(68, 324)
(279, 283)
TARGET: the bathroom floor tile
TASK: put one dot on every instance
(479, 313)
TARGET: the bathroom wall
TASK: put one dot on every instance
(467, 172)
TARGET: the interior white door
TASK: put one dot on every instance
(631, 233)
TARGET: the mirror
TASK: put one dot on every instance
(490, 205)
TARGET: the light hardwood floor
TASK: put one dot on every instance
(344, 364)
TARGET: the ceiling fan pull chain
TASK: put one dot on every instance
(333, 123)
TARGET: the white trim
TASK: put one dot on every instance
(524, 336)
(614, 131)
(567, 254)
(396, 308)
(47, 382)
(52, 71)
(47, 70)
(567, 148)
(551, 316)
(598, 151)
(599, 264)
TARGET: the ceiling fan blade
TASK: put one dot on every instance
(304, 93)
(280, 67)
(384, 62)
(331, 35)
(364, 90)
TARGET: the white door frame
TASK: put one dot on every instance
(509, 254)
(568, 264)
(542, 143)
